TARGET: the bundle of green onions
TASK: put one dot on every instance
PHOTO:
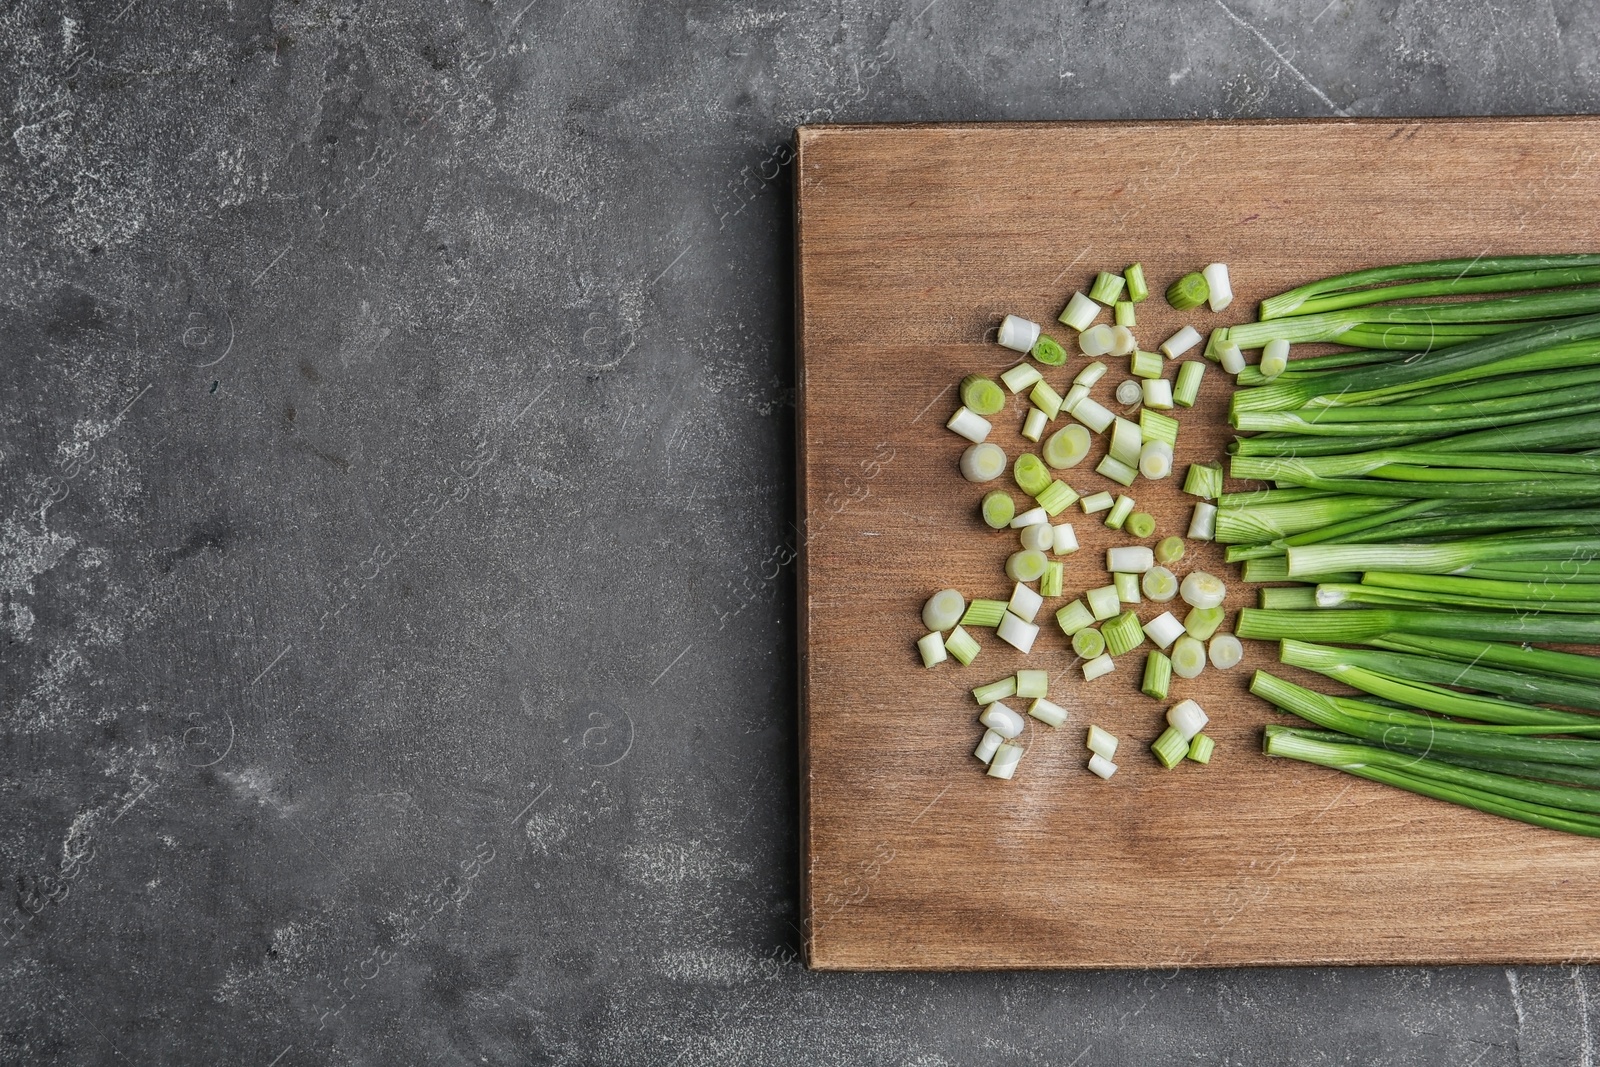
(1436, 496)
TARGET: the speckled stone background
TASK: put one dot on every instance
(395, 552)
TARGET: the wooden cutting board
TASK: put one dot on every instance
(912, 242)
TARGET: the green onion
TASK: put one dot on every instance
(1159, 584)
(988, 694)
(1079, 312)
(1224, 651)
(998, 509)
(1030, 474)
(1090, 374)
(1203, 480)
(1187, 388)
(1096, 502)
(1337, 595)
(1514, 273)
(1026, 566)
(1201, 623)
(1200, 748)
(1088, 643)
(1033, 425)
(1157, 675)
(981, 395)
(1066, 447)
(931, 647)
(1127, 585)
(1116, 471)
(1033, 683)
(1431, 558)
(1098, 667)
(1050, 581)
(1107, 287)
(1170, 549)
(943, 609)
(983, 613)
(1092, 414)
(1170, 747)
(1048, 352)
(1126, 438)
(1274, 358)
(1141, 524)
(1328, 325)
(1361, 624)
(1056, 498)
(1146, 364)
(1154, 426)
(1188, 292)
(1047, 713)
(1074, 617)
(1124, 314)
(1188, 657)
(1119, 512)
(1123, 633)
(1104, 603)
(1022, 376)
(961, 646)
(1490, 653)
(1137, 290)
(1290, 598)
(1045, 398)
(1157, 393)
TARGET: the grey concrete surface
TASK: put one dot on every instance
(395, 506)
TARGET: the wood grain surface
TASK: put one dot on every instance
(912, 242)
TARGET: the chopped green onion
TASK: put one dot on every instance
(983, 613)
(969, 424)
(1079, 312)
(1226, 652)
(1107, 287)
(1188, 657)
(1048, 352)
(1203, 523)
(1057, 497)
(1047, 713)
(1189, 291)
(1077, 393)
(1180, 342)
(1097, 340)
(1170, 748)
(1127, 587)
(1022, 376)
(1025, 566)
(961, 645)
(1187, 717)
(1066, 539)
(1137, 290)
(931, 646)
(995, 691)
(1050, 581)
(1169, 550)
(1066, 447)
(1164, 629)
(1017, 333)
(1031, 517)
(1090, 374)
(1103, 601)
(1157, 676)
(1230, 357)
(1158, 427)
(1117, 472)
(1074, 617)
(1088, 643)
(1187, 388)
(1201, 747)
(1016, 632)
(998, 509)
(1219, 289)
(1204, 480)
(988, 746)
(1155, 459)
(1159, 584)
(1125, 442)
(1024, 603)
(1101, 742)
(1201, 623)
(1030, 473)
(1157, 393)
(1098, 667)
(1092, 414)
(983, 463)
(1122, 341)
(1146, 365)
(1119, 512)
(1141, 524)
(1274, 358)
(1045, 398)
(1129, 392)
(1202, 590)
(1095, 502)
(981, 395)
(1101, 767)
(1033, 683)
(1123, 633)
(1129, 559)
(1124, 314)
(1033, 425)
(1006, 758)
(943, 609)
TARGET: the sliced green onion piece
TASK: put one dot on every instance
(1088, 643)
(1187, 389)
(1092, 414)
(1025, 566)
(981, 395)
(1159, 584)
(961, 645)
(1101, 767)
(1006, 758)
(1134, 275)
(1097, 340)
(1204, 480)
(1101, 742)
(1219, 292)
(1073, 395)
(1090, 374)
(1187, 717)
(1201, 623)
(1146, 365)
(931, 646)
(1189, 291)
(1107, 287)
(1169, 748)
(998, 509)
(1122, 342)
(1033, 683)
(1180, 342)
(1230, 357)
(1123, 312)
(1045, 398)
(1158, 427)
(1274, 358)
(1188, 657)
(1079, 312)
(1018, 633)
(1125, 442)
(1157, 393)
(1200, 748)
(1066, 447)
(1031, 517)
(1104, 602)
(1048, 352)
(1169, 550)
(1022, 376)
(984, 613)
(1017, 333)
(1202, 590)
(983, 463)
(1129, 559)
(1164, 629)
(969, 424)
(943, 609)
(1096, 502)
(1226, 651)
(1140, 524)
(1157, 676)
(1046, 712)
(1129, 392)
(1203, 523)
(1119, 512)
(1057, 497)
(1050, 580)
(1066, 539)
(1030, 473)
(1098, 667)
(1155, 459)
(1120, 473)
(1127, 587)
(1025, 603)
(996, 691)
(988, 746)
(1035, 422)
(1123, 633)
(1074, 617)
